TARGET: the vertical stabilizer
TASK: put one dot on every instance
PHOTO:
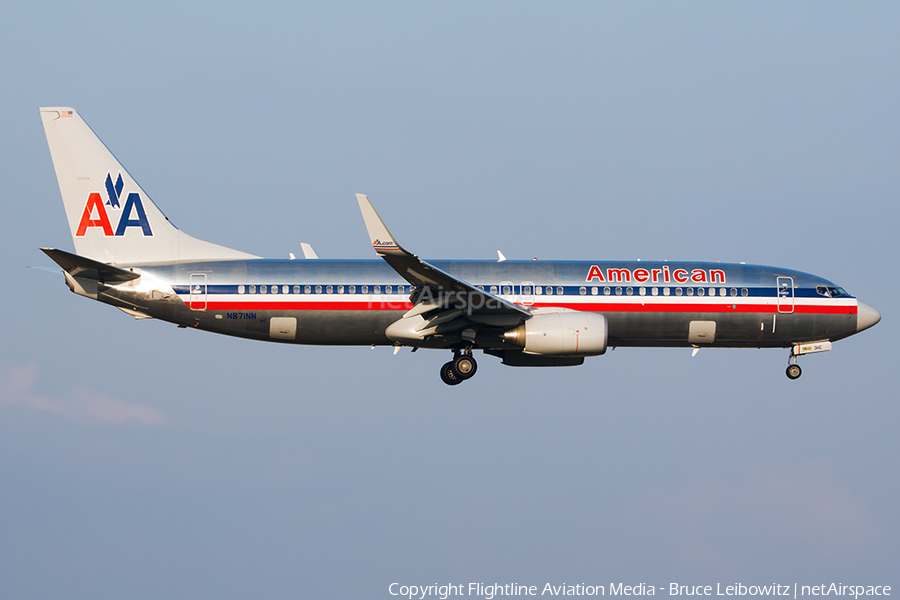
(111, 218)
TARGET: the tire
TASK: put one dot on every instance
(449, 376)
(794, 371)
(464, 366)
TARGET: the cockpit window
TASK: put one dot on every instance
(837, 292)
(831, 291)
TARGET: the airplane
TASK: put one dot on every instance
(528, 313)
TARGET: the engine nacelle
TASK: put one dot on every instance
(566, 333)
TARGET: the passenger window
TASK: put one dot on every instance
(376, 289)
(606, 291)
(700, 291)
(240, 289)
(594, 290)
(643, 291)
(329, 289)
(494, 290)
(506, 290)
(712, 291)
(388, 289)
(526, 290)
(734, 291)
(274, 289)
(307, 289)
(745, 292)
(654, 291)
(351, 289)
(629, 290)
(538, 290)
(722, 291)
(618, 290)
(549, 291)
(365, 289)
(690, 291)
(560, 291)
(318, 289)
(296, 289)
(401, 289)
(252, 289)
(679, 291)
(340, 289)
(582, 290)
(665, 291)
(263, 289)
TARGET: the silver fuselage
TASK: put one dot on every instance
(352, 302)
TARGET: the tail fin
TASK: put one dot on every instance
(111, 218)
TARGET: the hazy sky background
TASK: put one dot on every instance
(138, 460)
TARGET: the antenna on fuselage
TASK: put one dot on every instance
(308, 251)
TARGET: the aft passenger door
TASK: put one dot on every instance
(198, 291)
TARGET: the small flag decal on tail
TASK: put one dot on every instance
(66, 114)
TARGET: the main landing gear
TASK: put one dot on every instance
(462, 367)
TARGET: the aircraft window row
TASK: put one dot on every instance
(629, 291)
(508, 290)
(319, 289)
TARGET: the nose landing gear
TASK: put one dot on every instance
(793, 370)
(462, 367)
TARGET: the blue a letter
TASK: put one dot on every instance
(134, 200)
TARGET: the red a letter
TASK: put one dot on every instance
(595, 272)
(102, 220)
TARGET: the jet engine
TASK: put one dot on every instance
(567, 333)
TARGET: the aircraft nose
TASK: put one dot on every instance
(866, 316)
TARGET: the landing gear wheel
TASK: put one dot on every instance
(464, 366)
(449, 376)
(794, 371)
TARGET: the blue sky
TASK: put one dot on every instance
(143, 461)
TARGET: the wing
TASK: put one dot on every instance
(443, 305)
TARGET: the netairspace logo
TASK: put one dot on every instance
(489, 591)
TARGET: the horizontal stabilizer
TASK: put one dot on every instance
(86, 268)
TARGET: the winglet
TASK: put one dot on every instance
(382, 240)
